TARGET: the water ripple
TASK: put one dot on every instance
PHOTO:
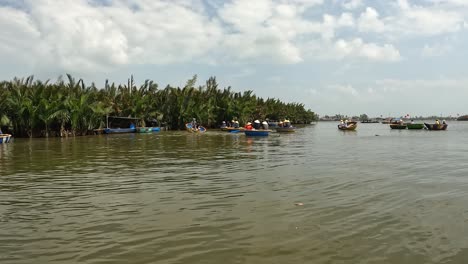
(317, 196)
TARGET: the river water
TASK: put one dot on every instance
(317, 196)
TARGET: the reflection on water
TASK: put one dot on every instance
(370, 196)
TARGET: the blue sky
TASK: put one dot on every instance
(380, 57)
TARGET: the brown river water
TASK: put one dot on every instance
(317, 196)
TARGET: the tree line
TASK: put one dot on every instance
(33, 108)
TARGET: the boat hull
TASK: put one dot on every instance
(232, 129)
(436, 126)
(257, 133)
(119, 130)
(285, 129)
(5, 138)
(145, 130)
(415, 126)
(398, 126)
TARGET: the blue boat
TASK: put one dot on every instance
(189, 128)
(131, 129)
(156, 129)
(5, 138)
(257, 133)
(119, 130)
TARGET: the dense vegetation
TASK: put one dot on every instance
(34, 108)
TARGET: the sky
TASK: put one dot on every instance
(378, 57)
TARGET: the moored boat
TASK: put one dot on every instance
(145, 130)
(436, 126)
(257, 133)
(350, 126)
(415, 126)
(119, 130)
(5, 138)
(200, 129)
(398, 126)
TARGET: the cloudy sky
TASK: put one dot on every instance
(380, 57)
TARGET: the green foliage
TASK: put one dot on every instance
(35, 108)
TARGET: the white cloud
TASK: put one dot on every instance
(345, 89)
(426, 21)
(435, 50)
(357, 47)
(369, 21)
(352, 4)
(71, 34)
(411, 21)
(450, 2)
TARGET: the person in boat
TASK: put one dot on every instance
(346, 123)
(248, 126)
(412, 121)
(443, 122)
(437, 122)
(265, 125)
(223, 124)
(235, 124)
(287, 123)
(280, 124)
(401, 121)
(257, 124)
(194, 124)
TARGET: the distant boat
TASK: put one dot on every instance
(5, 138)
(285, 129)
(415, 126)
(369, 121)
(350, 126)
(257, 133)
(200, 129)
(387, 120)
(398, 126)
(436, 126)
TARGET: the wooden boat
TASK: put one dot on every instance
(415, 126)
(232, 129)
(5, 138)
(189, 128)
(285, 129)
(436, 126)
(350, 127)
(398, 126)
(257, 133)
(119, 130)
